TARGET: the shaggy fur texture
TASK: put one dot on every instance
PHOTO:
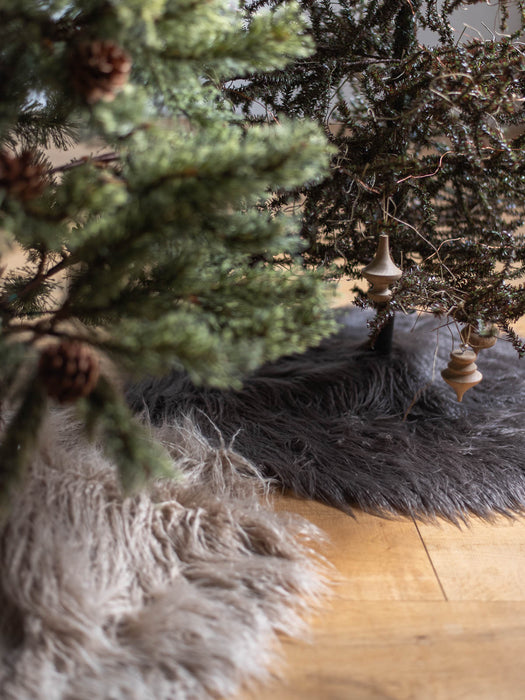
(345, 426)
(174, 593)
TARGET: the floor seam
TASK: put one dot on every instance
(430, 559)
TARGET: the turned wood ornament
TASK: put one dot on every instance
(477, 342)
(381, 272)
(462, 372)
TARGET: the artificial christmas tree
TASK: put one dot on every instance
(146, 251)
(430, 152)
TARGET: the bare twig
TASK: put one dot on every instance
(104, 158)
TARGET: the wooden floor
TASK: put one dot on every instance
(422, 612)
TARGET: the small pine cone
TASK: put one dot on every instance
(68, 371)
(99, 69)
(21, 176)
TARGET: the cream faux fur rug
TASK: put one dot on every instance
(176, 593)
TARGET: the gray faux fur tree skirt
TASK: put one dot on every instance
(345, 426)
(178, 592)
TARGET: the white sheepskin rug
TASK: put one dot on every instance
(179, 592)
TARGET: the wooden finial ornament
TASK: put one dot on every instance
(381, 272)
(462, 373)
(477, 342)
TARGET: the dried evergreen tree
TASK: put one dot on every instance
(151, 252)
(430, 150)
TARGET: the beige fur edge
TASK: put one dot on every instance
(177, 592)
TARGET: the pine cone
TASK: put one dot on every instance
(68, 371)
(21, 176)
(99, 69)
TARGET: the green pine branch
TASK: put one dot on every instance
(158, 250)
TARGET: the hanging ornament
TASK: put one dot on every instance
(99, 69)
(381, 272)
(21, 176)
(462, 373)
(478, 342)
(68, 371)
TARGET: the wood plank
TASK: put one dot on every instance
(400, 650)
(485, 561)
(377, 559)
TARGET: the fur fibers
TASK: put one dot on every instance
(177, 592)
(348, 427)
